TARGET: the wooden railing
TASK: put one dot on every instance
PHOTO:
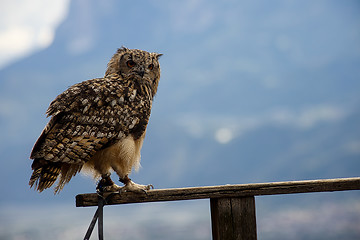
(232, 206)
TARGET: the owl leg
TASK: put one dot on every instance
(107, 185)
(130, 186)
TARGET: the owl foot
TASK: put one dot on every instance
(130, 186)
(134, 187)
(107, 185)
(112, 188)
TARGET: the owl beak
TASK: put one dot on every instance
(140, 72)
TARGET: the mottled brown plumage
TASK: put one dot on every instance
(99, 124)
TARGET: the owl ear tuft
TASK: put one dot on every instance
(122, 49)
(158, 55)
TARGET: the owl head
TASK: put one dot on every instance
(136, 63)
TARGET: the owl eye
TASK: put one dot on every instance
(130, 63)
(151, 66)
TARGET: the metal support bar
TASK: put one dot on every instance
(92, 225)
(101, 222)
(99, 214)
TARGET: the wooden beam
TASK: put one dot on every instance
(225, 191)
(233, 218)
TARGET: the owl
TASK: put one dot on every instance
(99, 125)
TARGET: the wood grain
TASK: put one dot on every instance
(233, 218)
(224, 191)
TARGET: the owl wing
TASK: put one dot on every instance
(90, 116)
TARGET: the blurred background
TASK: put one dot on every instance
(251, 91)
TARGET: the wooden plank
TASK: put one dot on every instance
(244, 216)
(221, 219)
(225, 191)
(233, 218)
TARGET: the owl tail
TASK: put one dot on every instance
(44, 175)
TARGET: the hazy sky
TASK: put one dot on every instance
(27, 26)
(251, 91)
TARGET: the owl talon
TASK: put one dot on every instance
(149, 187)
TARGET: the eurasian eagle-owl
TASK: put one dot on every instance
(99, 125)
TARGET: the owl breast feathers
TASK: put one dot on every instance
(98, 124)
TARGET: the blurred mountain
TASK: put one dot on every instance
(250, 91)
